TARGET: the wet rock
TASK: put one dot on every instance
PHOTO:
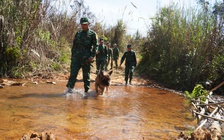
(6, 82)
(182, 136)
(25, 137)
(11, 83)
(1, 81)
(47, 136)
(51, 82)
(200, 134)
(18, 84)
(35, 82)
(36, 136)
(1, 86)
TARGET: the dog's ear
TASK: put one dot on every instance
(110, 72)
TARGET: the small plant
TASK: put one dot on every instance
(198, 93)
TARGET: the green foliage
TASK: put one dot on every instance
(33, 65)
(178, 52)
(17, 72)
(13, 54)
(119, 32)
(18, 40)
(217, 67)
(44, 35)
(12, 58)
(37, 36)
(65, 57)
(198, 93)
(56, 66)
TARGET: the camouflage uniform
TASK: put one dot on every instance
(101, 57)
(130, 64)
(84, 46)
(115, 55)
(110, 58)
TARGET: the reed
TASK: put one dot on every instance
(179, 49)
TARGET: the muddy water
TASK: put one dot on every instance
(123, 113)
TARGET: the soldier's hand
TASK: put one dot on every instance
(97, 52)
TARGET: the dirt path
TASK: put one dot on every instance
(117, 78)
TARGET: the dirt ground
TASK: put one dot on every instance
(117, 78)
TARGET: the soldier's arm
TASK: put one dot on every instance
(73, 45)
(111, 53)
(118, 52)
(95, 45)
(106, 52)
(122, 58)
(135, 63)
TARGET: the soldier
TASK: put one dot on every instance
(110, 57)
(83, 51)
(115, 54)
(130, 63)
(101, 56)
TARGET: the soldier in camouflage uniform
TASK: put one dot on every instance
(115, 54)
(101, 56)
(83, 51)
(130, 63)
(110, 57)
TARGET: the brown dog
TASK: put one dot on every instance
(102, 81)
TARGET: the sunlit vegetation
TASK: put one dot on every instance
(198, 93)
(184, 47)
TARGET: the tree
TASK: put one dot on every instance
(119, 33)
(37, 37)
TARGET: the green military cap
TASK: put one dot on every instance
(84, 20)
(128, 46)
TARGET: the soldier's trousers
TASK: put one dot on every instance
(100, 64)
(116, 62)
(111, 64)
(129, 73)
(76, 65)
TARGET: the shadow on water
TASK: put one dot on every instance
(125, 112)
(35, 95)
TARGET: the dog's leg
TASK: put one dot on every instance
(103, 89)
(107, 88)
(96, 87)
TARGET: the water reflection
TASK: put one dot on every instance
(125, 112)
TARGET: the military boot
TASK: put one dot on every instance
(85, 94)
(69, 90)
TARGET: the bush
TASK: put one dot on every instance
(198, 93)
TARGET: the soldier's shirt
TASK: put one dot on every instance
(130, 58)
(85, 44)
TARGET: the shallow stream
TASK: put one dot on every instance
(124, 113)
